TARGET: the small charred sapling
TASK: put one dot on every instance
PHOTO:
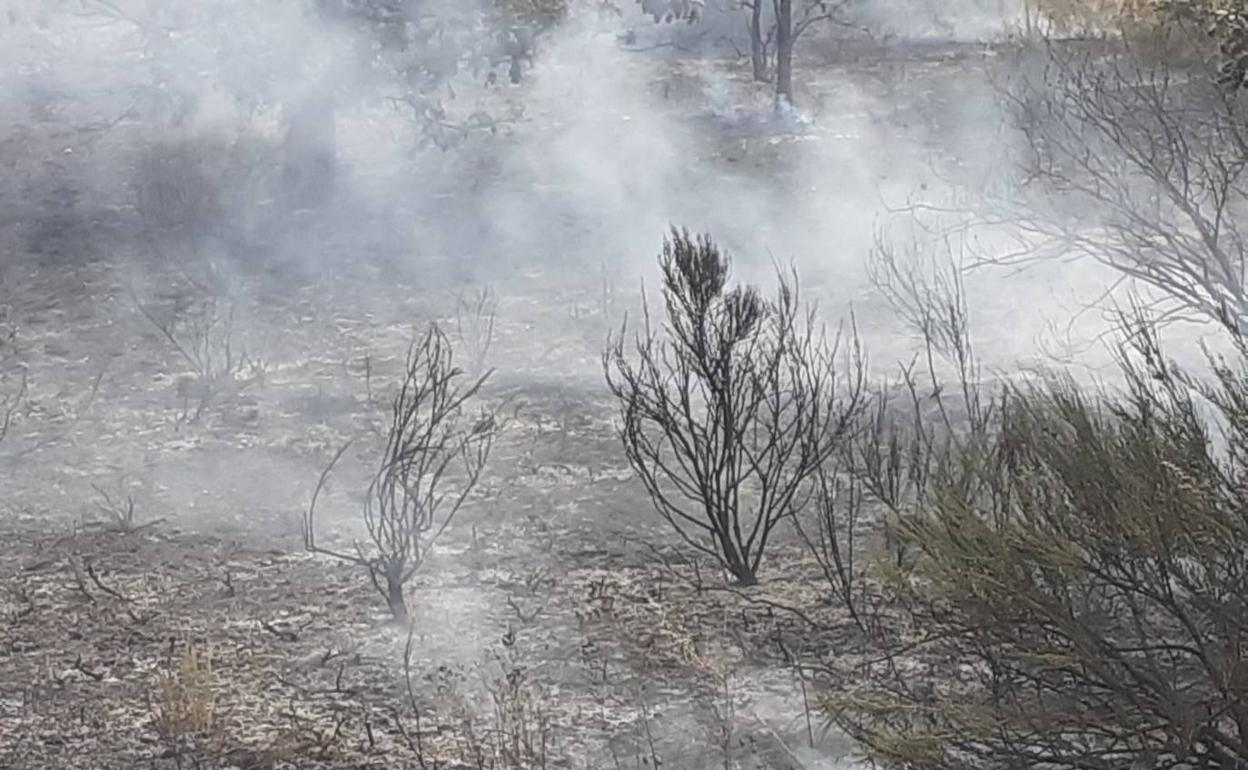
(433, 457)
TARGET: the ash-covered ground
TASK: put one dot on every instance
(150, 531)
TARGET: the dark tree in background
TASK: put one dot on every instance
(785, 36)
(1133, 154)
(1137, 159)
(730, 407)
(432, 460)
(427, 51)
(420, 53)
(781, 22)
(310, 150)
(789, 20)
(759, 41)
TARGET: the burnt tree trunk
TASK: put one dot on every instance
(737, 563)
(784, 53)
(394, 599)
(758, 51)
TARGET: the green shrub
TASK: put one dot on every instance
(1078, 596)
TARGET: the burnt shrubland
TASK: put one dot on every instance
(354, 411)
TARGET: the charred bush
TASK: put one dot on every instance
(201, 329)
(832, 531)
(118, 508)
(476, 314)
(903, 439)
(1133, 156)
(729, 409)
(178, 189)
(433, 457)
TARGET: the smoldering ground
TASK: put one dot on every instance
(153, 213)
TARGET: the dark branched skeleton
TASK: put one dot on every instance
(433, 457)
(475, 316)
(899, 451)
(730, 410)
(119, 510)
(1134, 156)
(203, 333)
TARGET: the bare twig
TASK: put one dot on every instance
(100, 584)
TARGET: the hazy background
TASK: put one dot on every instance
(336, 192)
(146, 145)
(592, 156)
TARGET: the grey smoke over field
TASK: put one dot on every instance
(303, 184)
(177, 138)
(447, 170)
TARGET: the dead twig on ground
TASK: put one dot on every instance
(95, 579)
(79, 581)
(83, 668)
(284, 634)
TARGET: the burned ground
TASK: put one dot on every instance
(558, 623)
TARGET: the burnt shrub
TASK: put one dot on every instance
(729, 408)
